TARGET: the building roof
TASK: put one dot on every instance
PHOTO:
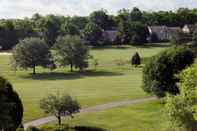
(164, 32)
(174, 29)
(157, 29)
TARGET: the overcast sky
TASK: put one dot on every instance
(26, 8)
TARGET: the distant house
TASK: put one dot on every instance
(164, 33)
(110, 35)
(174, 32)
(189, 29)
(160, 31)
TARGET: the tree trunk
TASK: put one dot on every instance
(59, 120)
(34, 69)
(71, 67)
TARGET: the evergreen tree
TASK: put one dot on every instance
(136, 60)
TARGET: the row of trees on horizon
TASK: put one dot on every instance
(130, 24)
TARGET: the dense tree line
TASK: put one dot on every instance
(131, 25)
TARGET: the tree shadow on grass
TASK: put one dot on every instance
(153, 45)
(87, 128)
(70, 75)
(52, 76)
(92, 73)
(110, 47)
(123, 47)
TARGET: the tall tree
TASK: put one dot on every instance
(92, 34)
(124, 32)
(31, 52)
(123, 15)
(8, 34)
(132, 32)
(51, 28)
(100, 18)
(139, 33)
(24, 28)
(79, 21)
(136, 15)
(184, 16)
(69, 29)
(70, 50)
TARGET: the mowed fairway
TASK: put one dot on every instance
(111, 81)
(141, 117)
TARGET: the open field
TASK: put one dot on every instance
(142, 117)
(113, 80)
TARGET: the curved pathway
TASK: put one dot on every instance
(93, 109)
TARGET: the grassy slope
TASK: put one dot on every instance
(109, 83)
(141, 117)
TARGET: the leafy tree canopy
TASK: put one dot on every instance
(100, 18)
(181, 109)
(31, 52)
(92, 34)
(70, 50)
(59, 105)
(159, 73)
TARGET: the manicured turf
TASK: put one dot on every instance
(113, 80)
(142, 117)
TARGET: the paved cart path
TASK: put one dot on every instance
(93, 109)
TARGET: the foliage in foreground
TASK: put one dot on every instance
(181, 109)
(11, 108)
(159, 73)
(31, 52)
(59, 105)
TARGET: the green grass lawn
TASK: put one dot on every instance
(141, 117)
(111, 81)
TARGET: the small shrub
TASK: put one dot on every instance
(136, 60)
(60, 105)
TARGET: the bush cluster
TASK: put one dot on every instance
(159, 73)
